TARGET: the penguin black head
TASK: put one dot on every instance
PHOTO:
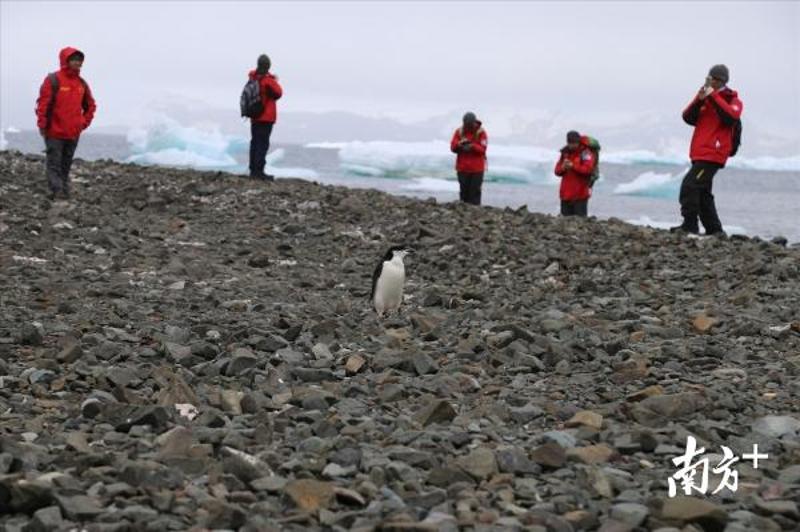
(401, 250)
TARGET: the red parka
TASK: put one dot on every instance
(713, 119)
(473, 160)
(271, 91)
(74, 106)
(575, 181)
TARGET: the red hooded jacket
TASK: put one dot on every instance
(271, 91)
(474, 160)
(575, 181)
(69, 117)
(713, 119)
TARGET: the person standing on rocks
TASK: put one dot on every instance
(715, 113)
(261, 126)
(64, 109)
(469, 143)
(575, 167)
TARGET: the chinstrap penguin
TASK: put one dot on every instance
(388, 280)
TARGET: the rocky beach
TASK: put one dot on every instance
(184, 350)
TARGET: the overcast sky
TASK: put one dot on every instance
(410, 59)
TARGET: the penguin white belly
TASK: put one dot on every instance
(389, 288)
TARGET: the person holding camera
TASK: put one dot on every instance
(574, 167)
(469, 144)
(715, 113)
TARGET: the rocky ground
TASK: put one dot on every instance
(185, 350)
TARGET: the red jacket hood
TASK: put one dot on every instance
(252, 74)
(64, 54)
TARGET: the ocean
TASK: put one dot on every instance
(756, 196)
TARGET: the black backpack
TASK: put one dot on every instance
(250, 101)
(54, 86)
(736, 137)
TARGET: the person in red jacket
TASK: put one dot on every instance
(64, 109)
(261, 126)
(574, 167)
(469, 143)
(714, 113)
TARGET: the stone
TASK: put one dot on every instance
(174, 389)
(514, 460)
(174, 443)
(550, 455)
(425, 323)
(592, 454)
(244, 466)
(310, 495)
(313, 374)
(438, 411)
(585, 418)
(703, 323)
(480, 463)
(354, 364)
(41, 376)
(776, 426)
(655, 410)
(177, 352)
(564, 439)
(525, 414)
(321, 352)
(446, 476)
(241, 360)
(77, 441)
(333, 470)
(260, 260)
(231, 401)
(45, 520)
(24, 496)
(348, 496)
(790, 475)
(423, 364)
(223, 515)
(79, 507)
(683, 509)
(630, 513)
(123, 416)
(644, 393)
(783, 507)
(71, 352)
(29, 334)
(271, 484)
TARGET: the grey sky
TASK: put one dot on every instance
(411, 59)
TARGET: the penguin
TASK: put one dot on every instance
(388, 280)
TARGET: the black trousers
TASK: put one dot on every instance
(259, 146)
(574, 207)
(470, 187)
(59, 155)
(696, 198)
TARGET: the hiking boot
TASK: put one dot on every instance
(51, 195)
(268, 177)
(680, 229)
